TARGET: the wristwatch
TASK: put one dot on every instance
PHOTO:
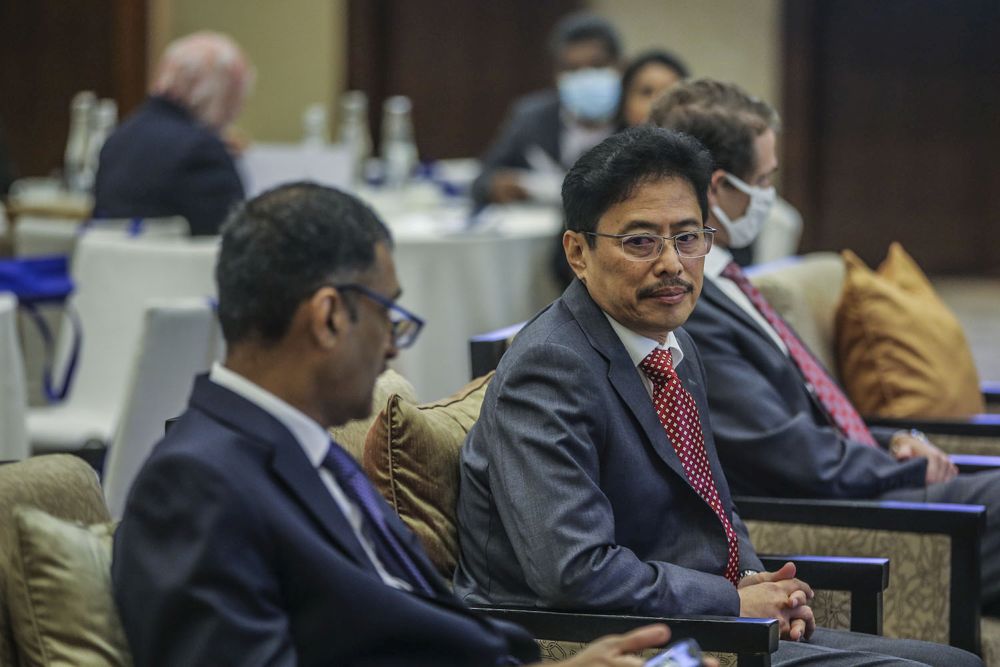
(912, 432)
(747, 573)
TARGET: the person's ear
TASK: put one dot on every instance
(715, 185)
(577, 253)
(327, 316)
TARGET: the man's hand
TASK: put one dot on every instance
(905, 446)
(779, 595)
(505, 187)
(617, 650)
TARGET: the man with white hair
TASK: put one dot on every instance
(169, 157)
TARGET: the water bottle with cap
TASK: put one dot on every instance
(354, 132)
(399, 152)
(76, 143)
(103, 120)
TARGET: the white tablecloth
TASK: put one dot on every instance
(466, 281)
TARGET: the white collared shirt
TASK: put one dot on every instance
(716, 261)
(315, 442)
(639, 347)
(576, 139)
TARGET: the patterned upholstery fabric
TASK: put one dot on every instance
(61, 485)
(916, 604)
(965, 444)
(351, 436)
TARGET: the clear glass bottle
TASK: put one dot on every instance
(354, 131)
(315, 131)
(103, 120)
(81, 109)
(399, 152)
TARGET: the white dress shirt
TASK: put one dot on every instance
(315, 442)
(576, 139)
(718, 259)
(639, 347)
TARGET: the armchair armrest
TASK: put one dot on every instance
(963, 524)
(975, 463)
(984, 425)
(753, 640)
(865, 578)
(991, 391)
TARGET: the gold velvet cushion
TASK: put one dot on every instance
(351, 436)
(900, 351)
(59, 588)
(411, 455)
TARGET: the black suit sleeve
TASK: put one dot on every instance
(207, 186)
(192, 556)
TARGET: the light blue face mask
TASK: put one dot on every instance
(591, 94)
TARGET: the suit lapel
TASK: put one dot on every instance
(712, 293)
(622, 374)
(288, 461)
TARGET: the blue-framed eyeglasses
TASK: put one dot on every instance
(405, 325)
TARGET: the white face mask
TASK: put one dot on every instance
(743, 230)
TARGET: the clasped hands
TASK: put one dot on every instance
(906, 445)
(779, 595)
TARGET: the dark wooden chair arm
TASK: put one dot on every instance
(486, 349)
(963, 524)
(975, 462)
(991, 391)
(753, 640)
(983, 425)
(865, 578)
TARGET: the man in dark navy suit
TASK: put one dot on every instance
(169, 157)
(249, 537)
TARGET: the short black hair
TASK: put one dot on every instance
(724, 117)
(611, 171)
(281, 246)
(581, 27)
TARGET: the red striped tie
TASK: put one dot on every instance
(679, 415)
(838, 407)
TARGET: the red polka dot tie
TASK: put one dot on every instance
(839, 409)
(679, 415)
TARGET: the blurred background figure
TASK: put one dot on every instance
(647, 77)
(170, 156)
(545, 132)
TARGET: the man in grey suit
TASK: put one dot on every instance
(782, 425)
(546, 132)
(591, 480)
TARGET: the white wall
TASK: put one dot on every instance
(299, 48)
(729, 40)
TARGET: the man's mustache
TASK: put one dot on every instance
(650, 291)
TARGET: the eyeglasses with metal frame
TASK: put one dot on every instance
(646, 247)
(405, 325)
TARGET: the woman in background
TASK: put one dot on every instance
(648, 76)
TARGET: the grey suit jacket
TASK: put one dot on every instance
(773, 436)
(532, 121)
(572, 496)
